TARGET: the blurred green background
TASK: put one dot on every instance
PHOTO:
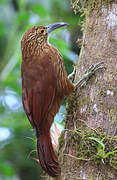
(17, 139)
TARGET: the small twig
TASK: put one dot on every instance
(47, 177)
(84, 123)
(29, 138)
(68, 130)
(31, 153)
(76, 157)
(37, 160)
(87, 125)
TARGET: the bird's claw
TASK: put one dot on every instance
(90, 72)
(95, 67)
(71, 76)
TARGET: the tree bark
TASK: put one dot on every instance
(92, 110)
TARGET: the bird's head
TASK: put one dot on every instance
(39, 34)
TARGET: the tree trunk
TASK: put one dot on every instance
(91, 121)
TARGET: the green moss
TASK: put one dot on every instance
(86, 149)
(71, 106)
(61, 140)
(77, 139)
(86, 7)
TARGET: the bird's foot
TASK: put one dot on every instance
(71, 76)
(92, 69)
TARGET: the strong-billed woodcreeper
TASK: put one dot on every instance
(44, 84)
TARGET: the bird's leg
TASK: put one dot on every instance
(71, 76)
(87, 75)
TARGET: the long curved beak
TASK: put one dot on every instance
(54, 26)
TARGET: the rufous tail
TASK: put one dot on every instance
(47, 157)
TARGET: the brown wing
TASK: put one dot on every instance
(64, 86)
(40, 98)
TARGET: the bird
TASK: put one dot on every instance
(44, 85)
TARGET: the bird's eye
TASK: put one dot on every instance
(42, 31)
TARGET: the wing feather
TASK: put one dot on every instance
(40, 99)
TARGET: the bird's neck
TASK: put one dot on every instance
(34, 47)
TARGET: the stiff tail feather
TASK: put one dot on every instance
(47, 157)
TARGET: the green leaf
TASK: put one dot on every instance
(98, 141)
(109, 153)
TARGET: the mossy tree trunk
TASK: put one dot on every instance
(92, 110)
